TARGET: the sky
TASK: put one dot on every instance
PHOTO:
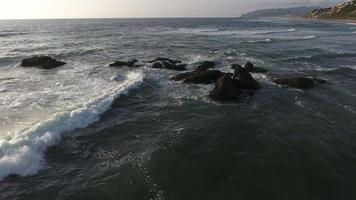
(42, 9)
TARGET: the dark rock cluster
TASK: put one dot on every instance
(228, 86)
(130, 63)
(44, 62)
(168, 64)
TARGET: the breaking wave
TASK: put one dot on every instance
(24, 154)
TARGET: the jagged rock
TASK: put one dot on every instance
(225, 89)
(204, 77)
(130, 63)
(161, 59)
(177, 67)
(243, 79)
(296, 82)
(44, 62)
(157, 65)
(168, 64)
(205, 65)
(251, 68)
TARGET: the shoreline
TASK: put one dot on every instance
(328, 20)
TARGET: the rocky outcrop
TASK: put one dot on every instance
(168, 64)
(243, 79)
(204, 77)
(130, 63)
(44, 62)
(225, 89)
(205, 65)
(199, 77)
(345, 11)
(251, 68)
(298, 82)
(182, 76)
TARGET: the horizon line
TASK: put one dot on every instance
(59, 18)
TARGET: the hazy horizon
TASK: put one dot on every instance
(43, 9)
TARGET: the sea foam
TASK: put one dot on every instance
(24, 154)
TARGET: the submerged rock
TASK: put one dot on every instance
(44, 62)
(168, 64)
(204, 77)
(182, 76)
(157, 65)
(251, 68)
(296, 82)
(160, 59)
(205, 65)
(130, 63)
(225, 89)
(243, 79)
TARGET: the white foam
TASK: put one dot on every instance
(273, 31)
(24, 154)
(307, 37)
(217, 32)
(267, 40)
(353, 24)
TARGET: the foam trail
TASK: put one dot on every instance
(24, 154)
(273, 31)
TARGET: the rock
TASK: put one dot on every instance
(168, 64)
(182, 76)
(44, 62)
(204, 77)
(234, 66)
(320, 81)
(165, 60)
(157, 65)
(130, 63)
(225, 89)
(251, 68)
(205, 65)
(174, 66)
(296, 82)
(243, 79)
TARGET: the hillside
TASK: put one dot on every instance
(280, 12)
(345, 11)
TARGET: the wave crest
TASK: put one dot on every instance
(24, 154)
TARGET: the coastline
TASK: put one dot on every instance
(328, 20)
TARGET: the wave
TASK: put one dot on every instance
(307, 37)
(288, 38)
(217, 32)
(273, 31)
(353, 24)
(327, 56)
(24, 154)
(10, 34)
(267, 40)
(347, 70)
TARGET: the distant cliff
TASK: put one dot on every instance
(344, 11)
(280, 12)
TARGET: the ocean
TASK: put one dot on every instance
(88, 131)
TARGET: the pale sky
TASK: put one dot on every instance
(38, 9)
